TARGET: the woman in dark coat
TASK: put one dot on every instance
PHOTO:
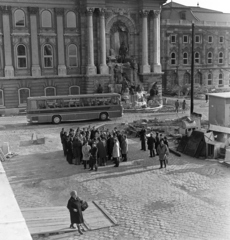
(69, 150)
(77, 151)
(76, 216)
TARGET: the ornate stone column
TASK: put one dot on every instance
(103, 66)
(145, 67)
(156, 42)
(6, 13)
(91, 69)
(60, 42)
(35, 69)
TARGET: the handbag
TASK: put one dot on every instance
(84, 206)
(166, 159)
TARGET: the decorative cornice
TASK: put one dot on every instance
(20, 34)
(33, 10)
(5, 9)
(144, 13)
(59, 11)
(156, 13)
(102, 11)
(89, 11)
(120, 11)
(47, 34)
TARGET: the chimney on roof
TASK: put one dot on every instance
(198, 5)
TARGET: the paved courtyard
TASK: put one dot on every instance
(188, 200)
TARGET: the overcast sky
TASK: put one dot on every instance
(219, 5)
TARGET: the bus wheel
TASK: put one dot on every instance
(104, 116)
(56, 119)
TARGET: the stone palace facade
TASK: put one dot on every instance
(211, 50)
(55, 47)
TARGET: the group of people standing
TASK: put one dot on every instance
(157, 145)
(94, 147)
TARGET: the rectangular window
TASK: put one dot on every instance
(221, 39)
(220, 82)
(197, 39)
(48, 62)
(210, 39)
(185, 39)
(173, 39)
(1, 98)
(21, 62)
(209, 81)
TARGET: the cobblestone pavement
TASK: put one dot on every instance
(187, 200)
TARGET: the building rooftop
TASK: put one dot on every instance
(220, 95)
(173, 10)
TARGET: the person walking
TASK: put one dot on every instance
(124, 148)
(143, 139)
(177, 104)
(93, 157)
(64, 141)
(102, 153)
(183, 106)
(76, 217)
(85, 153)
(163, 152)
(151, 145)
(116, 153)
(110, 144)
(69, 150)
(157, 141)
(77, 151)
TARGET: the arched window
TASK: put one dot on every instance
(209, 57)
(46, 19)
(173, 58)
(197, 57)
(71, 20)
(50, 91)
(23, 94)
(220, 79)
(72, 54)
(21, 56)
(1, 98)
(74, 90)
(221, 58)
(209, 79)
(198, 78)
(19, 18)
(185, 58)
(187, 79)
(48, 56)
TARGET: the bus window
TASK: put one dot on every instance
(51, 103)
(66, 103)
(59, 103)
(33, 104)
(114, 101)
(41, 104)
(72, 102)
(101, 101)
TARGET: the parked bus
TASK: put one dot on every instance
(73, 107)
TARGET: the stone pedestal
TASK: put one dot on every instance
(61, 70)
(91, 70)
(9, 71)
(104, 69)
(36, 71)
(145, 69)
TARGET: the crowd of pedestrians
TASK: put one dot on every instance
(94, 147)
